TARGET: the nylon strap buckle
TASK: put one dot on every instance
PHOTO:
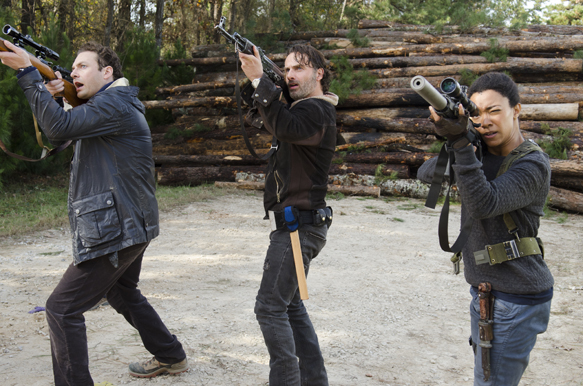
(511, 250)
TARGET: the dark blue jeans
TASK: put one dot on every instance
(295, 356)
(80, 288)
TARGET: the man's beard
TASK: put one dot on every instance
(305, 89)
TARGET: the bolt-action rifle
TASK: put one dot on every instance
(40, 61)
(44, 67)
(446, 104)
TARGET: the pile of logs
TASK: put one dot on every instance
(385, 129)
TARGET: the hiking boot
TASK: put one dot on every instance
(151, 368)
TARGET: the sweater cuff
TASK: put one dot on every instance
(465, 155)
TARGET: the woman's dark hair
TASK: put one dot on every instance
(499, 82)
(105, 57)
(311, 57)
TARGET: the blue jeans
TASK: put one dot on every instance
(516, 328)
(295, 357)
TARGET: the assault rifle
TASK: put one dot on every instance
(446, 104)
(269, 68)
(245, 46)
(40, 61)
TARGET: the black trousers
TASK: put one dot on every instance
(80, 288)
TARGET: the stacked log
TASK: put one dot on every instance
(385, 129)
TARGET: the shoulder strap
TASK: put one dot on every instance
(274, 145)
(523, 149)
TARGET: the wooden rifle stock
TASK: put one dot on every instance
(47, 72)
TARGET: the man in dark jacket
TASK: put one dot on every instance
(523, 284)
(112, 209)
(296, 179)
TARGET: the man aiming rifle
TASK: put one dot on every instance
(503, 196)
(112, 209)
(295, 190)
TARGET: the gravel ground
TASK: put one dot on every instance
(387, 309)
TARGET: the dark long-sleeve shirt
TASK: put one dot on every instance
(522, 192)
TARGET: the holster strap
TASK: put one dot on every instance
(509, 250)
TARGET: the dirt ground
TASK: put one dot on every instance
(387, 309)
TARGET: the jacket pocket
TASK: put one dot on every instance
(97, 219)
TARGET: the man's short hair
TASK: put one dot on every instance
(499, 82)
(311, 57)
(105, 57)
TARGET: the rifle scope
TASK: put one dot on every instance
(428, 92)
(20, 40)
(450, 86)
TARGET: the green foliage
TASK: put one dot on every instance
(357, 40)
(270, 42)
(16, 119)
(346, 81)
(435, 147)
(565, 13)
(335, 196)
(467, 77)
(338, 161)
(496, 53)
(560, 143)
(380, 177)
(578, 54)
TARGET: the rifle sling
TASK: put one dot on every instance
(242, 123)
(46, 151)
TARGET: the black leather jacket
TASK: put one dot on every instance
(111, 193)
(297, 174)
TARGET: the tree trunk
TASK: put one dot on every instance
(142, 14)
(519, 65)
(567, 168)
(360, 190)
(566, 182)
(200, 175)
(294, 13)
(566, 199)
(66, 17)
(159, 22)
(194, 87)
(416, 61)
(202, 160)
(550, 112)
(28, 17)
(195, 102)
(198, 147)
(534, 45)
(109, 24)
(400, 171)
(122, 23)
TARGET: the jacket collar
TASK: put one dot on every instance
(116, 83)
(328, 97)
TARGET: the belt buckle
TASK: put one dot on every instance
(511, 250)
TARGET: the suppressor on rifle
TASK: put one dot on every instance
(422, 87)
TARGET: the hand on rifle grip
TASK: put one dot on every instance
(56, 86)
(251, 64)
(452, 129)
